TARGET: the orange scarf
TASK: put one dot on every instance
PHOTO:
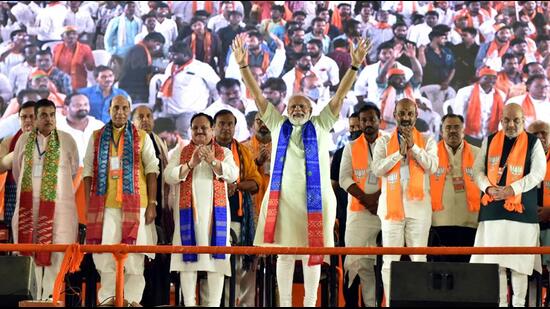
(298, 76)
(382, 26)
(388, 103)
(473, 116)
(514, 165)
(528, 108)
(546, 184)
(360, 164)
(167, 87)
(239, 163)
(255, 146)
(149, 58)
(76, 59)
(504, 83)
(206, 45)
(495, 51)
(208, 6)
(437, 180)
(415, 187)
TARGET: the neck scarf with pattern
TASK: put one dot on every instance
(188, 212)
(313, 188)
(48, 196)
(128, 183)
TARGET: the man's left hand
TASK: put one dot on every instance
(358, 53)
(504, 193)
(150, 213)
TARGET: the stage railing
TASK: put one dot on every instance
(75, 252)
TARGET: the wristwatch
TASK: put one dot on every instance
(214, 163)
(154, 202)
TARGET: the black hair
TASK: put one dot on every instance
(25, 92)
(197, 115)
(279, 8)
(533, 78)
(155, 36)
(224, 112)
(470, 30)
(43, 103)
(101, 68)
(16, 32)
(370, 107)
(451, 115)
(275, 84)
(164, 125)
(26, 105)
(70, 96)
(317, 42)
(227, 83)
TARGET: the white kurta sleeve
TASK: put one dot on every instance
(536, 174)
(148, 157)
(480, 175)
(272, 118)
(18, 156)
(346, 169)
(88, 170)
(277, 63)
(72, 150)
(381, 163)
(230, 170)
(427, 158)
(173, 169)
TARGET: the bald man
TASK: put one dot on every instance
(541, 130)
(404, 160)
(300, 209)
(510, 166)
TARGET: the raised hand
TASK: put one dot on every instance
(358, 53)
(239, 51)
(280, 44)
(410, 50)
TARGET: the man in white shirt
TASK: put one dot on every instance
(166, 26)
(510, 166)
(221, 20)
(404, 160)
(303, 68)
(327, 68)
(81, 20)
(12, 54)
(446, 14)
(362, 223)
(535, 104)
(78, 123)
(230, 99)
(366, 87)
(187, 87)
(419, 33)
(49, 22)
(481, 105)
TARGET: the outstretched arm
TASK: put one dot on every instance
(357, 56)
(241, 56)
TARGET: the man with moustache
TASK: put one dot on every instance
(298, 212)
(404, 160)
(157, 270)
(510, 166)
(455, 196)
(274, 90)
(362, 223)
(45, 163)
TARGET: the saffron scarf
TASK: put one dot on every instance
(48, 195)
(399, 8)
(206, 46)
(528, 108)
(388, 99)
(546, 184)
(128, 191)
(188, 212)
(149, 58)
(514, 166)
(76, 58)
(208, 6)
(313, 188)
(167, 88)
(360, 164)
(415, 187)
(495, 51)
(437, 180)
(473, 115)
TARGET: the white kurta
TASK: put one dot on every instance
(65, 220)
(203, 198)
(291, 228)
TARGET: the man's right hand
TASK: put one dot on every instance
(239, 51)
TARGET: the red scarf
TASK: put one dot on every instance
(473, 116)
(167, 87)
(206, 46)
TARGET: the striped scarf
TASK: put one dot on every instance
(129, 183)
(313, 188)
(48, 195)
(187, 207)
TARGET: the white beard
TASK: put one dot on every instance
(298, 122)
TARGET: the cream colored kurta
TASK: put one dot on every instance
(203, 197)
(291, 228)
(455, 210)
(362, 227)
(65, 220)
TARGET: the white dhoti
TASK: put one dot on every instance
(362, 228)
(134, 282)
(506, 233)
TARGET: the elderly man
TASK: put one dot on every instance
(45, 163)
(510, 166)
(405, 159)
(455, 196)
(201, 173)
(120, 182)
(299, 210)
